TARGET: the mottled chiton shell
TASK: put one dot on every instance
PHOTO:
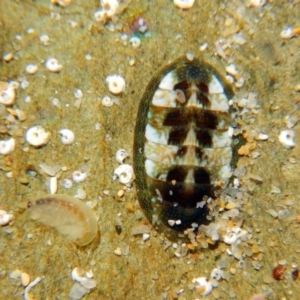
(182, 144)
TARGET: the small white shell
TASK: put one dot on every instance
(56, 102)
(240, 82)
(67, 136)
(7, 94)
(171, 222)
(99, 15)
(44, 39)
(109, 7)
(53, 65)
(232, 235)
(81, 194)
(77, 274)
(287, 33)
(184, 4)
(37, 136)
(86, 282)
(24, 84)
(79, 176)
(7, 56)
(121, 154)
(203, 46)
(135, 42)
(116, 83)
(263, 136)
(5, 218)
(286, 138)
(216, 274)
(107, 101)
(78, 93)
(146, 236)
(231, 69)
(67, 183)
(190, 56)
(53, 185)
(31, 69)
(203, 285)
(124, 173)
(257, 3)
(7, 147)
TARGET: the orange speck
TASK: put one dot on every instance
(201, 289)
(230, 224)
(191, 247)
(296, 31)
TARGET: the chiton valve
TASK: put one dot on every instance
(183, 144)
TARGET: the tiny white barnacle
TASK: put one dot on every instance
(67, 183)
(121, 154)
(37, 136)
(79, 176)
(5, 218)
(135, 42)
(7, 147)
(67, 136)
(286, 138)
(124, 173)
(99, 15)
(31, 68)
(53, 65)
(107, 101)
(116, 84)
(7, 93)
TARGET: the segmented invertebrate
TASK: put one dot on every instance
(183, 145)
(71, 217)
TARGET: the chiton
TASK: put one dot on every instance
(183, 144)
